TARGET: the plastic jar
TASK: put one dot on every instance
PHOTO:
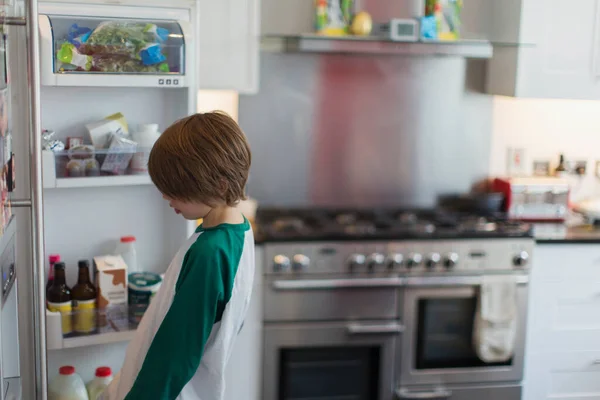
(142, 288)
(126, 249)
(145, 137)
(101, 381)
(67, 386)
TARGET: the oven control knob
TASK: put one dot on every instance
(356, 260)
(414, 260)
(521, 259)
(433, 260)
(375, 260)
(395, 260)
(451, 260)
(281, 263)
(300, 262)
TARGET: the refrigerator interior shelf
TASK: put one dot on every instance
(52, 180)
(55, 340)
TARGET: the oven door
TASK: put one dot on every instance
(437, 346)
(330, 361)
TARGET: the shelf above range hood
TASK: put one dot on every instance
(476, 49)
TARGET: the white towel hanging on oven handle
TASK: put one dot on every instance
(495, 325)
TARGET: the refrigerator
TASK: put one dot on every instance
(62, 81)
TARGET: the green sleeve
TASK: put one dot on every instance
(176, 350)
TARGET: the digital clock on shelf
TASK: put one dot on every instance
(402, 30)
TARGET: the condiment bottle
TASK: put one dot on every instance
(84, 301)
(52, 259)
(59, 298)
(561, 169)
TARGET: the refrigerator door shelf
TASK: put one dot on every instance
(53, 181)
(55, 340)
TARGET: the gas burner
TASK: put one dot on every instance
(382, 224)
(346, 218)
(407, 218)
(361, 228)
(478, 224)
(425, 228)
(288, 225)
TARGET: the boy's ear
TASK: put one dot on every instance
(223, 186)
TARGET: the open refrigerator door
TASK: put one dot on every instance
(95, 108)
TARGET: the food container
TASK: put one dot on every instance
(145, 137)
(142, 288)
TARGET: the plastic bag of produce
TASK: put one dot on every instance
(69, 54)
(78, 34)
(125, 38)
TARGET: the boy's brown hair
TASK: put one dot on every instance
(203, 157)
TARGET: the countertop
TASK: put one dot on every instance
(566, 234)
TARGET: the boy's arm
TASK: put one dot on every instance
(177, 347)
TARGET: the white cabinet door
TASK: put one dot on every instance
(228, 49)
(565, 316)
(563, 375)
(559, 57)
(562, 354)
(565, 62)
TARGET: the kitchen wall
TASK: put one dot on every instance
(341, 130)
(544, 129)
(223, 100)
(337, 130)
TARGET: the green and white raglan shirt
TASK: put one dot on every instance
(182, 344)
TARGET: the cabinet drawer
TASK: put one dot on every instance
(566, 263)
(565, 316)
(562, 375)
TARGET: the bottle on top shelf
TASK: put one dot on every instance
(68, 385)
(101, 381)
(59, 298)
(84, 301)
(561, 169)
(52, 259)
(126, 249)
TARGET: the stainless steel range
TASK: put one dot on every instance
(380, 305)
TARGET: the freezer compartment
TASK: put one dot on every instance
(102, 328)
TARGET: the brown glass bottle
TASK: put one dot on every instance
(58, 297)
(84, 301)
(53, 259)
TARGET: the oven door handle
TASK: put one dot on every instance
(319, 284)
(375, 329)
(438, 394)
(446, 281)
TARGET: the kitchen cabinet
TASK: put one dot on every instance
(545, 49)
(562, 358)
(229, 39)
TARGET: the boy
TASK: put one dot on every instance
(200, 165)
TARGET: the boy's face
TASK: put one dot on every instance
(189, 210)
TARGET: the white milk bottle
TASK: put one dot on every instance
(67, 386)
